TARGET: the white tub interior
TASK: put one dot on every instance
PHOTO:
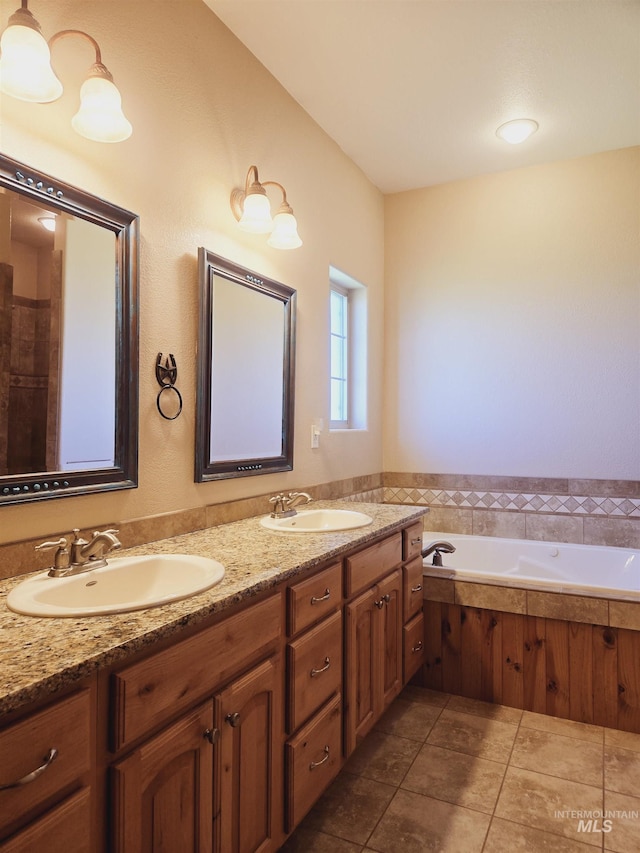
(550, 566)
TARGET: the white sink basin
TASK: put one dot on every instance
(318, 521)
(126, 583)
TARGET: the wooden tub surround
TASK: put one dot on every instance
(570, 656)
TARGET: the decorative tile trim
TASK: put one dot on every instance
(576, 505)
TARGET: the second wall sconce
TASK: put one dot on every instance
(252, 209)
(26, 74)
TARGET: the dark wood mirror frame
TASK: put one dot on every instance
(59, 196)
(210, 266)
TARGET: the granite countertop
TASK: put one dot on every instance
(42, 655)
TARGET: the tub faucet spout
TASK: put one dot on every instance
(438, 549)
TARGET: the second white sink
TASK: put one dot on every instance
(126, 583)
(318, 521)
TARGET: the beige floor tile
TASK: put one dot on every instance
(557, 755)
(474, 735)
(621, 770)
(417, 824)
(536, 800)
(383, 757)
(465, 780)
(425, 695)
(569, 728)
(310, 841)
(627, 740)
(507, 837)
(409, 719)
(625, 823)
(350, 808)
(502, 713)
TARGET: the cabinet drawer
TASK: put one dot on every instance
(367, 566)
(315, 669)
(25, 746)
(155, 689)
(313, 598)
(412, 580)
(64, 829)
(313, 760)
(413, 634)
(412, 541)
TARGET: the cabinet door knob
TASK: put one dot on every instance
(212, 735)
(379, 604)
(233, 720)
(327, 664)
(327, 594)
(31, 777)
(417, 647)
(315, 764)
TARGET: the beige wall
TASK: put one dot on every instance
(512, 309)
(203, 110)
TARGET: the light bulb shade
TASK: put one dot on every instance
(285, 232)
(48, 223)
(256, 214)
(25, 66)
(100, 116)
(516, 131)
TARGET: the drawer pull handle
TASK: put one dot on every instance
(233, 720)
(417, 541)
(417, 647)
(315, 764)
(417, 588)
(327, 664)
(31, 777)
(327, 593)
(212, 735)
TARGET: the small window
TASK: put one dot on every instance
(339, 358)
(348, 326)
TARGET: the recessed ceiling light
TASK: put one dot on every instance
(517, 131)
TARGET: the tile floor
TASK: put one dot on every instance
(448, 774)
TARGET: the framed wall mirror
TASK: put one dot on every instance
(246, 357)
(68, 339)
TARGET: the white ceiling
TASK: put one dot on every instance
(413, 90)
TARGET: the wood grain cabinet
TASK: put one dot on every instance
(314, 683)
(44, 776)
(373, 670)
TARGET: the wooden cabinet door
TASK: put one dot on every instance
(362, 674)
(390, 591)
(249, 772)
(162, 793)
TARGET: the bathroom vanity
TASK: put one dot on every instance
(215, 723)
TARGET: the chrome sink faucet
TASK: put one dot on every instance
(84, 555)
(284, 505)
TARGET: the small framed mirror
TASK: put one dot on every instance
(68, 339)
(246, 363)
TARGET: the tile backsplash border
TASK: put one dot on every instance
(580, 511)
(590, 512)
(18, 558)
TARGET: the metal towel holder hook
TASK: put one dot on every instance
(166, 374)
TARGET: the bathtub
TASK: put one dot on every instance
(605, 572)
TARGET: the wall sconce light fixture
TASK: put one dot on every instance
(252, 209)
(26, 74)
(48, 223)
